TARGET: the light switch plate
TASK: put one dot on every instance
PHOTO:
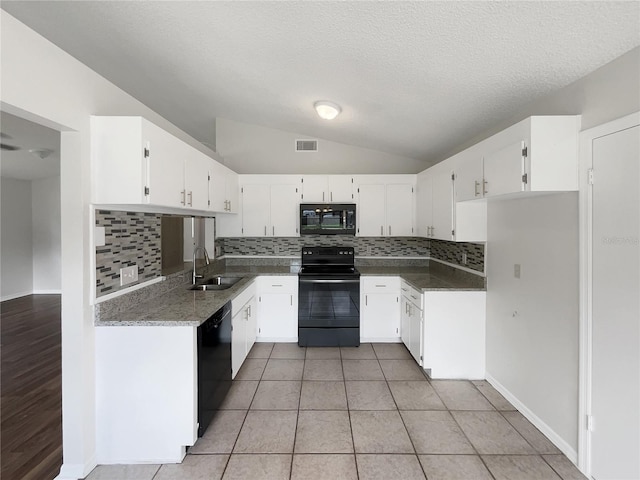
(516, 270)
(98, 236)
(128, 275)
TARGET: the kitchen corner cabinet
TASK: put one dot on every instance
(380, 309)
(277, 308)
(327, 188)
(223, 189)
(385, 210)
(435, 202)
(454, 334)
(243, 326)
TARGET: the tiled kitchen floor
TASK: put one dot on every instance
(358, 413)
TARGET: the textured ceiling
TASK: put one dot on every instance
(413, 78)
(26, 135)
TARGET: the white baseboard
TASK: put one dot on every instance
(48, 292)
(14, 295)
(381, 340)
(276, 340)
(556, 439)
(76, 471)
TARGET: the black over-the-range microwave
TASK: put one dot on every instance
(327, 219)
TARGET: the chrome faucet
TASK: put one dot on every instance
(206, 259)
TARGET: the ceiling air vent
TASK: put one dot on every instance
(306, 145)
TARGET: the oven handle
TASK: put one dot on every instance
(329, 280)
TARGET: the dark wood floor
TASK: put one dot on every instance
(31, 388)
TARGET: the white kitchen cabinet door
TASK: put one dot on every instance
(315, 189)
(442, 202)
(371, 210)
(415, 338)
(217, 188)
(284, 201)
(251, 324)
(503, 170)
(405, 322)
(196, 180)
(255, 210)
(232, 189)
(238, 341)
(399, 210)
(468, 170)
(380, 317)
(278, 317)
(424, 204)
(341, 189)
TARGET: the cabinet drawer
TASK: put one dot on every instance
(413, 295)
(380, 284)
(242, 298)
(278, 284)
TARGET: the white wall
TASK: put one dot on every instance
(250, 148)
(15, 246)
(64, 99)
(47, 267)
(532, 322)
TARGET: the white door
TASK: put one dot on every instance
(399, 211)
(251, 324)
(371, 211)
(165, 167)
(468, 168)
(255, 210)
(503, 170)
(314, 188)
(284, 211)
(424, 204)
(415, 343)
(278, 317)
(196, 180)
(442, 192)
(381, 317)
(238, 341)
(615, 378)
(405, 322)
(217, 188)
(341, 188)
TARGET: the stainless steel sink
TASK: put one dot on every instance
(217, 283)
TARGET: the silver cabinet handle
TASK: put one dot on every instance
(331, 196)
(323, 196)
(365, 300)
(273, 230)
(475, 191)
(415, 298)
(291, 297)
(484, 186)
(265, 230)
(229, 204)
(249, 311)
(191, 198)
(389, 230)
(182, 194)
(381, 230)
(274, 285)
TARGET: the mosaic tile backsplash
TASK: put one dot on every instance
(450, 252)
(130, 239)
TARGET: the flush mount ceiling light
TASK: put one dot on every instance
(41, 153)
(327, 110)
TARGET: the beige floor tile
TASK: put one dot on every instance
(415, 396)
(267, 432)
(363, 352)
(252, 369)
(240, 395)
(520, 467)
(324, 467)
(194, 467)
(323, 370)
(391, 351)
(461, 395)
(258, 467)
(379, 432)
(389, 467)
(288, 351)
(490, 433)
(323, 353)
(402, 370)
(496, 399)
(323, 432)
(221, 434)
(318, 395)
(531, 434)
(454, 467)
(435, 432)
(279, 369)
(362, 370)
(123, 472)
(369, 395)
(277, 395)
(563, 467)
(260, 350)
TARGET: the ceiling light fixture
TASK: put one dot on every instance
(327, 110)
(41, 153)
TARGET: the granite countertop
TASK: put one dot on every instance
(181, 306)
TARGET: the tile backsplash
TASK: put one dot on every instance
(130, 239)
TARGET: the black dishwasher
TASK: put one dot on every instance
(214, 364)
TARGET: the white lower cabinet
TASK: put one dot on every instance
(243, 327)
(380, 309)
(412, 321)
(277, 308)
(454, 334)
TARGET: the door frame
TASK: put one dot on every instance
(586, 281)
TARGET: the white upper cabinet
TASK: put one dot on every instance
(327, 188)
(424, 204)
(135, 162)
(284, 211)
(256, 210)
(468, 169)
(384, 208)
(435, 202)
(269, 210)
(223, 189)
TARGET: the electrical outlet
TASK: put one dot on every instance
(516, 270)
(128, 275)
(464, 258)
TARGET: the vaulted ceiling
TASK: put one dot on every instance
(413, 78)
